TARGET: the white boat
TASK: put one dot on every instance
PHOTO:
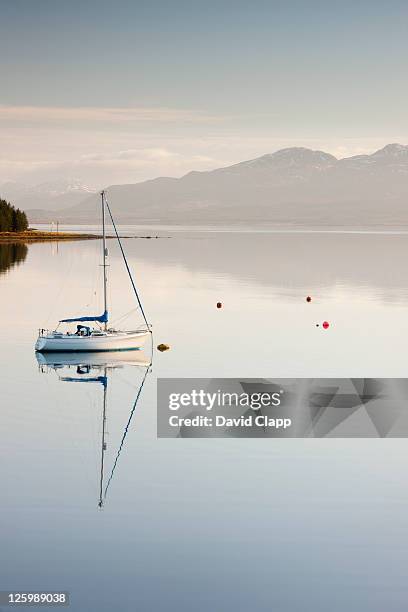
(101, 337)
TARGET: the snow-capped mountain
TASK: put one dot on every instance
(52, 195)
(295, 186)
(289, 158)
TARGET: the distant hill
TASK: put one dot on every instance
(292, 187)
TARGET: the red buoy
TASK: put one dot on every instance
(326, 324)
(219, 305)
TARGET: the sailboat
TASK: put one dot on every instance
(100, 337)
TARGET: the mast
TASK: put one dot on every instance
(104, 264)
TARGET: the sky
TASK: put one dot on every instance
(119, 92)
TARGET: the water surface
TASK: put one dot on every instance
(287, 525)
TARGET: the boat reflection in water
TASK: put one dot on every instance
(96, 368)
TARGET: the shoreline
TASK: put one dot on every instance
(40, 236)
(34, 235)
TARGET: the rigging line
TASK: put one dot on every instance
(127, 265)
(126, 430)
(62, 287)
(124, 316)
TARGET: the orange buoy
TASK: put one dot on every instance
(163, 347)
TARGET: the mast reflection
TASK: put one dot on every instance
(96, 368)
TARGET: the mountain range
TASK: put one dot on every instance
(293, 187)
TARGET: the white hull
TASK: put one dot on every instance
(111, 341)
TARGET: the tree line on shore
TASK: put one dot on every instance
(12, 219)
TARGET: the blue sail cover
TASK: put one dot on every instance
(103, 318)
(98, 379)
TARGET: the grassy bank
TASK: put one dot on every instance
(38, 236)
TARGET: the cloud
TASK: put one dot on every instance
(155, 154)
(43, 114)
(121, 166)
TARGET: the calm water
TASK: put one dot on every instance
(221, 525)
